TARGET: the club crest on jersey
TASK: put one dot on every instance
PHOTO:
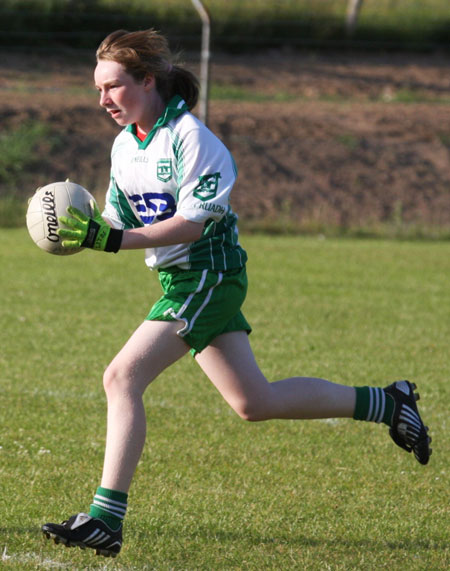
(164, 170)
(207, 186)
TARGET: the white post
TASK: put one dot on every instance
(205, 55)
(353, 8)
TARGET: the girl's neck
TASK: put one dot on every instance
(154, 113)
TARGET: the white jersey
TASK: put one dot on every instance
(180, 168)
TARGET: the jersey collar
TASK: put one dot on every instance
(176, 107)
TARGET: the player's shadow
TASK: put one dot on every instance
(301, 540)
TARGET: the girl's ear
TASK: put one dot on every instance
(149, 82)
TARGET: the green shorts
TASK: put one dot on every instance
(207, 303)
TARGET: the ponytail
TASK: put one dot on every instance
(179, 81)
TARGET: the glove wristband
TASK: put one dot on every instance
(114, 241)
(102, 237)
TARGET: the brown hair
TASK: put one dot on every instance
(147, 52)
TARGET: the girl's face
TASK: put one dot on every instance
(126, 100)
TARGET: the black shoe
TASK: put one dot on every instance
(82, 530)
(407, 430)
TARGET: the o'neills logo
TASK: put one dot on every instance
(49, 212)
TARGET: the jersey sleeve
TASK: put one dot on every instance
(206, 175)
(110, 213)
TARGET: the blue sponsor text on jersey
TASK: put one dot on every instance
(151, 205)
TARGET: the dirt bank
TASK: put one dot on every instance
(335, 140)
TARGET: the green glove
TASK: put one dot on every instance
(86, 232)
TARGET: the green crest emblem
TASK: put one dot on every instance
(207, 186)
(164, 170)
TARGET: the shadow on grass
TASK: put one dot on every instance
(204, 534)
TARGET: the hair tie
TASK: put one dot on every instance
(170, 68)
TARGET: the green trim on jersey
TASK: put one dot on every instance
(195, 154)
(120, 203)
(177, 147)
(176, 106)
(218, 248)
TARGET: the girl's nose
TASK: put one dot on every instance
(104, 98)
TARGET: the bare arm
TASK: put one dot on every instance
(175, 230)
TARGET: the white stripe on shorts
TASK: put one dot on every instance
(188, 326)
(204, 304)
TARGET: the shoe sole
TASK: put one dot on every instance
(59, 539)
(421, 449)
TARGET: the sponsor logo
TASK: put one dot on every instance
(164, 170)
(51, 220)
(154, 205)
(139, 159)
(207, 186)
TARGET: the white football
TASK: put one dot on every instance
(48, 203)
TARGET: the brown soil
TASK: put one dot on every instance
(329, 145)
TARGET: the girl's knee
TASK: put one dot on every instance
(116, 379)
(252, 410)
(122, 378)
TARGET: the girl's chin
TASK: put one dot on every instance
(121, 122)
(119, 119)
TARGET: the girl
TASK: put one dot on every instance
(169, 193)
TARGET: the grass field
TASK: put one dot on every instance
(212, 492)
(391, 13)
(237, 24)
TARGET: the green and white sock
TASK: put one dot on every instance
(110, 506)
(373, 405)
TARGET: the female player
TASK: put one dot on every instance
(169, 193)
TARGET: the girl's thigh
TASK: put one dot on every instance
(231, 366)
(153, 347)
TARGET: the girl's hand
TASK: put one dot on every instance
(86, 232)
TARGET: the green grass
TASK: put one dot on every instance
(406, 12)
(22, 150)
(212, 492)
(237, 24)
(17, 149)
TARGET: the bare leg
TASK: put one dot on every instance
(153, 347)
(230, 365)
